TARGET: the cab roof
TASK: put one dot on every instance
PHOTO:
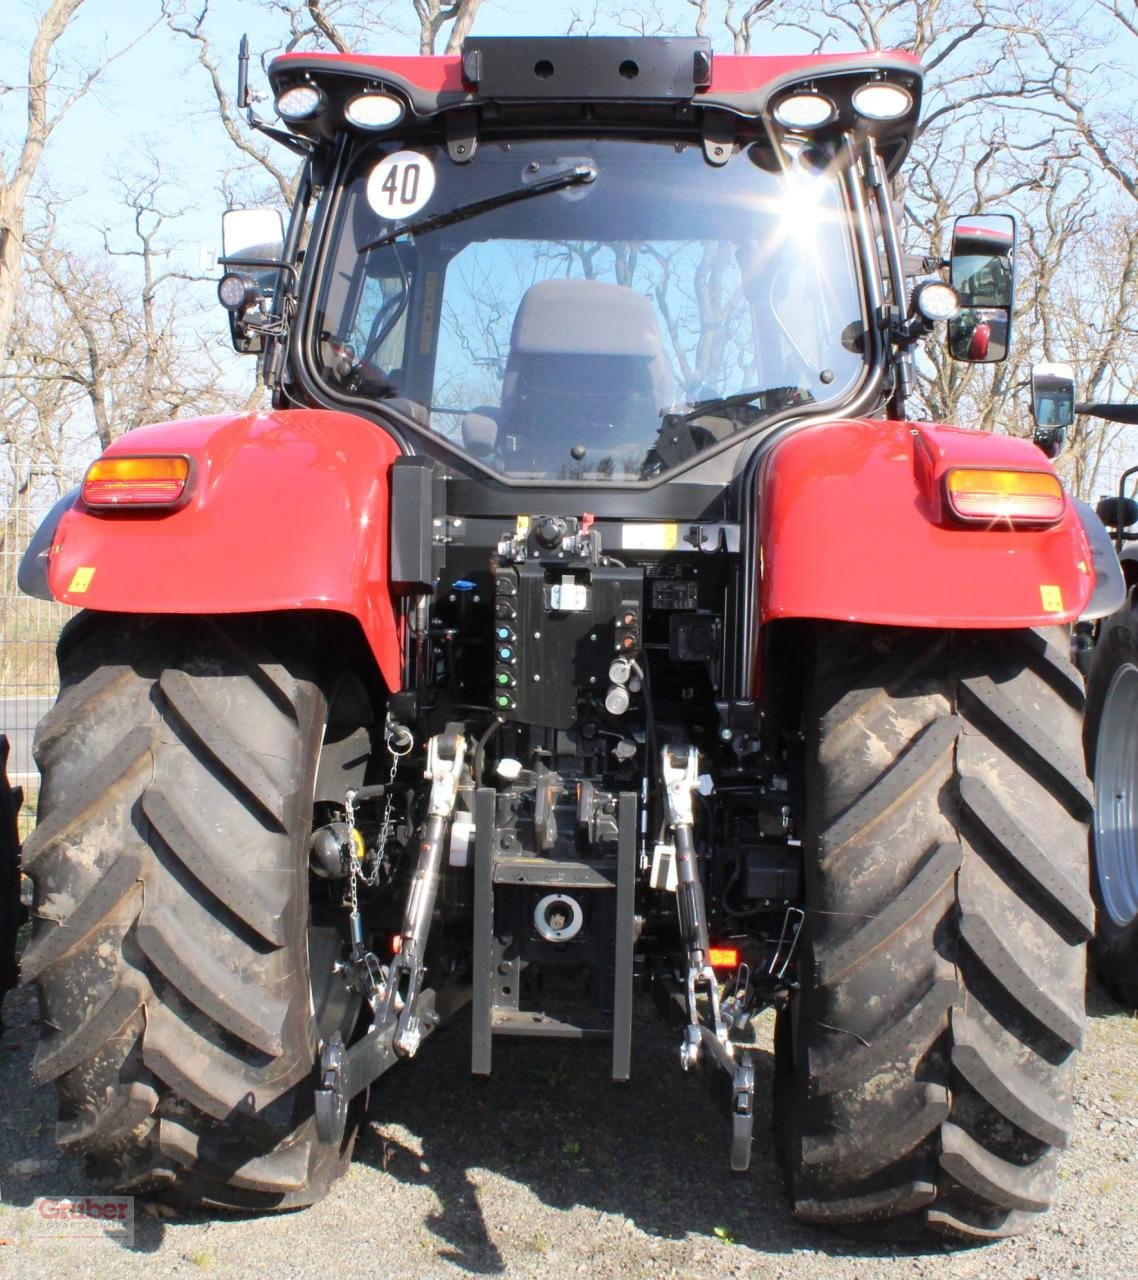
(508, 80)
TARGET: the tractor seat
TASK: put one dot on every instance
(586, 371)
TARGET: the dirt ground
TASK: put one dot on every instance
(548, 1169)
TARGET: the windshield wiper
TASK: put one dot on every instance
(579, 173)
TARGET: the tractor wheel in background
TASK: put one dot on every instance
(185, 977)
(12, 913)
(1111, 740)
(926, 1064)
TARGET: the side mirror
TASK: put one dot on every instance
(981, 270)
(252, 242)
(1117, 513)
(1052, 405)
(249, 236)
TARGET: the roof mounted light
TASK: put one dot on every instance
(804, 111)
(300, 102)
(882, 101)
(373, 111)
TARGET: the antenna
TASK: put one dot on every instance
(243, 74)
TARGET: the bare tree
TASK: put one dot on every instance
(341, 25)
(46, 105)
(264, 157)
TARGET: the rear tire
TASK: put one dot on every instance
(926, 1065)
(1111, 740)
(12, 913)
(172, 920)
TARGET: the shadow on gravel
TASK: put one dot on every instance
(654, 1151)
(1100, 1003)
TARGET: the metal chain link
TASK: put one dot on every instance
(399, 740)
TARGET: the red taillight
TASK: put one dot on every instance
(136, 482)
(1021, 497)
(723, 957)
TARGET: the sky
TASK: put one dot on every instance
(155, 95)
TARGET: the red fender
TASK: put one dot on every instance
(853, 527)
(287, 510)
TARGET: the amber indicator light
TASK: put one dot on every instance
(136, 482)
(1022, 497)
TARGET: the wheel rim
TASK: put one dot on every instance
(1116, 798)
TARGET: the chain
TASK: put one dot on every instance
(399, 741)
(372, 878)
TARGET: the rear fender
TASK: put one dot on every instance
(288, 510)
(852, 527)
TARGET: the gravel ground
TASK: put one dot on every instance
(549, 1169)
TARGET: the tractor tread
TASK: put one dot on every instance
(927, 888)
(206, 725)
(282, 1170)
(248, 1012)
(983, 939)
(918, 1025)
(1062, 771)
(996, 1180)
(124, 1113)
(259, 901)
(929, 755)
(54, 939)
(1005, 1086)
(1069, 902)
(861, 1153)
(170, 873)
(891, 1202)
(924, 1071)
(64, 1050)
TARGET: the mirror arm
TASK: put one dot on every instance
(278, 263)
(294, 142)
(1125, 413)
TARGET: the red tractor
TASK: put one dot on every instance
(586, 616)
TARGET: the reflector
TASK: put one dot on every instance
(723, 957)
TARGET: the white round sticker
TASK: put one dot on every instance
(401, 185)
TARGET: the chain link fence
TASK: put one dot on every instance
(28, 627)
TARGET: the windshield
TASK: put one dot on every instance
(587, 331)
